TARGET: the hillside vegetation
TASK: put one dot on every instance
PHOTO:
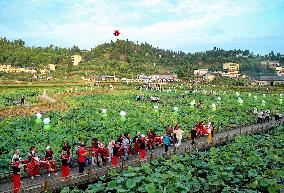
(126, 59)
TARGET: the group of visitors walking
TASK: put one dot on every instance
(123, 147)
(266, 115)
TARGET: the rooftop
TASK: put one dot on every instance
(270, 78)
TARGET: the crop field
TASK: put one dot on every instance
(99, 115)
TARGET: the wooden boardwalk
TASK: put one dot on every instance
(92, 173)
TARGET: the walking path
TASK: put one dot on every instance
(53, 183)
(47, 98)
(49, 103)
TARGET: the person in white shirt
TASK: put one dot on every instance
(179, 134)
(17, 155)
(260, 117)
(125, 146)
(255, 111)
(110, 149)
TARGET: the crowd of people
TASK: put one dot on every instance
(123, 147)
(265, 116)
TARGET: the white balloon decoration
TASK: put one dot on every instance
(104, 111)
(122, 113)
(156, 107)
(175, 109)
(39, 115)
(218, 98)
(237, 94)
(213, 105)
(46, 121)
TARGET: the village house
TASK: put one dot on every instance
(51, 67)
(231, 69)
(47, 69)
(30, 70)
(109, 78)
(279, 70)
(17, 69)
(5, 68)
(269, 80)
(164, 77)
(158, 78)
(200, 72)
(144, 78)
(270, 63)
(127, 80)
(76, 59)
(211, 76)
(88, 78)
(43, 71)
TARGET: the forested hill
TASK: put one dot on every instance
(126, 58)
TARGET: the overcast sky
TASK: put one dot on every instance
(185, 25)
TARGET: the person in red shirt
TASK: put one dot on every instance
(114, 161)
(34, 162)
(95, 149)
(142, 145)
(136, 143)
(81, 157)
(16, 165)
(151, 136)
(49, 158)
(64, 165)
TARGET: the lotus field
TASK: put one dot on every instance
(111, 114)
(246, 165)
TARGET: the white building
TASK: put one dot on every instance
(271, 63)
(200, 72)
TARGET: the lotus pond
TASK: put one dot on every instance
(99, 115)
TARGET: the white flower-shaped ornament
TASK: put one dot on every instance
(39, 115)
(46, 121)
(122, 113)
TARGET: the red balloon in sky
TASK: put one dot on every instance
(116, 33)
